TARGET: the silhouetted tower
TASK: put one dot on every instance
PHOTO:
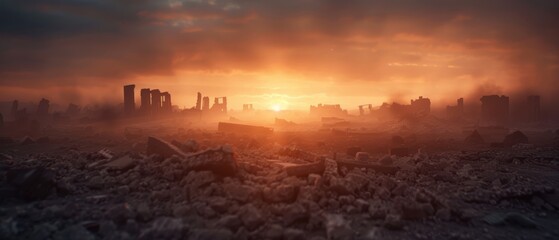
(43, 108)
(145, 99)
(421, 106)
(166, 105)
(199, 101)
(129, 103)
(155, 100)
(533, 108)
(495, 110)
(206, 104)
(247, 107)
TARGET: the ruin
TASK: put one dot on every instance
(220, 105)
(206, 104)
(166, 102)
(145, 95)
(198, 101)
(326, 110)
(456, 112)
(421, 106)
(243, 129)
(73, 109)
(495, 110)
(43, 108)
(362, 109)
(155, 100)
(129, 102)
(247, 107)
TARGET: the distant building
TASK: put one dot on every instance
(129, 103)
(421, 106)
(456, 112)
(495, 110)
(220, 106)
(166, 105)
(155, 100)
(199, 101)
(206, 104)
(43, 108)
(326, 110)
(145, 100)
(362, 109)
(247, 107)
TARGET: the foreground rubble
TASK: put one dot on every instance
(180, 189)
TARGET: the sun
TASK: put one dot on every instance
(276, 107)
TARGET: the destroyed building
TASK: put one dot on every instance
(247, 107)
(166, 105)
(220, 105)
(206, 103)
(495, 110)
(362, 109)
(43, 108)
(421, 106)
(456, 112)
(145, 99)
(198, 101)
(325, 110)
(129, 103)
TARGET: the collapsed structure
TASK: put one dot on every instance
(326, 110)
(152, 101)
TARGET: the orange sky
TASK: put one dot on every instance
(288, 53)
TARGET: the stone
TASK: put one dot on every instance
(443, 214)
(231, 222)
(74, 232)
(143, 212)
(474, 138)
(165, 228)
(251, 217)
(96, 182)
(293, 234)
(377, 211)
(362, 156)
(314, 179)
(240, 192)
(393, 222)
(293, 213)
(337, 228)
(210, 234)
(361, 205)
(219, 204)
(162, 148)
(120, 164)
(271, 232)
(32, 183)
(282, 193)
(514, 138)
(512, 218)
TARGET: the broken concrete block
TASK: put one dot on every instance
(302, 170)
(121, 164)
(362, 156)
(162, 148)
(219, 160)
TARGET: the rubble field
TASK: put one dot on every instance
(152, 182)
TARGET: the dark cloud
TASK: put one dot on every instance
(62, 42)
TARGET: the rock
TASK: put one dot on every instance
(443, 214)
(314, 179)
(271, 232)
(251, 217)
(210, 234)
(96, 182)
(240, 192)
(386, 160)
(393, 222)
(165, 228)
(400, 151)
(362, 156)
(352, 151)
(282, 193)
(162, 148)
(143, 212)
(32, 183)
(120, 213)
(121, 164)
(293, 213)
(510, 218)
(26, 141)
(412, 210)
(361, 205)
(515, 138)
(293, 234)
(377, 211)
(219, 204)
(474, 138)
(74, 232)
(337, 228)
(231, 222)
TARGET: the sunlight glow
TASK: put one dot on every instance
(276, 107)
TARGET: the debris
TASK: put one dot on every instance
(162, 148)
(358, 164)
(121, 164)
(515, 138)
(393, 222)
(474, 138)
(400, 151)
(510, 218)
(302, 170)
(251, 217)
(32, 183)
(243, 129)
(362, 156)
(219, 160)
(337, 228)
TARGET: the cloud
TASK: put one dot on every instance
(513, 43)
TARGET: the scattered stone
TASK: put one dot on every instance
(393, 222)
(362, 156)
(474, 138)
(271, 232)
(210, 234)
(251, 217)
(162, 148)
(293, 213)
(32, 183)
(510, 218)
(74, 232)
(514, 138)
(165, 228)
(337, 228)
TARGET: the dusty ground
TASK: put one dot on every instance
(447, 190)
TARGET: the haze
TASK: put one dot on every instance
(287, 53)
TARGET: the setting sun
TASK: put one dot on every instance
(276, 107)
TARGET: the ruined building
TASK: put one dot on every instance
(220, 106)
(325, 110)
(129, 103)
(421, 106)
(206, 104)
(456, 112)
(43, 108)
(362, 109)
(155, 100)
(199, 101)
(166, 102)
(494, 110)
(145, 101)
(247, 107)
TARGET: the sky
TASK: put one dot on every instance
(288, 53)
